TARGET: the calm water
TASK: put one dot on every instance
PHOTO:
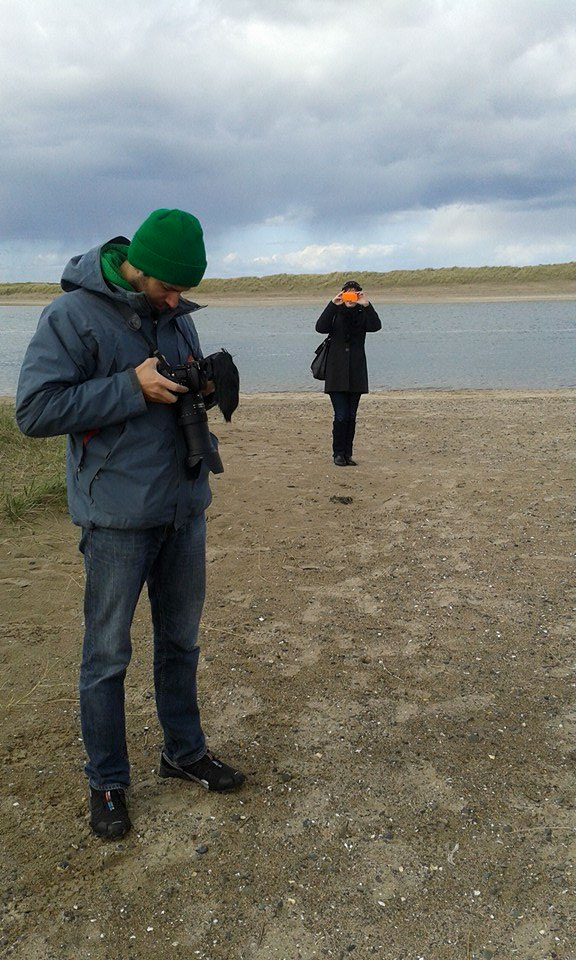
(514, 344)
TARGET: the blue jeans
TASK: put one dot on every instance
(344, 426)
(118, 563)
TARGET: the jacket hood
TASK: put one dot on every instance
(85, 273)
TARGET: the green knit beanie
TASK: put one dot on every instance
(170, 247)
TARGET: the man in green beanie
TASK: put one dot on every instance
(89, 372)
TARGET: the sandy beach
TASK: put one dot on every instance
(386, 651)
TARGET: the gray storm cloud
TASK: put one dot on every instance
(332, 113)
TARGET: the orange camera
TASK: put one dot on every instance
(349, 296)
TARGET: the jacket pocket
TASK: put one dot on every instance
(95, 452)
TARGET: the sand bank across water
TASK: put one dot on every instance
(453, 293)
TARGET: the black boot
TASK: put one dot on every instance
(339, 442)
(349, 443)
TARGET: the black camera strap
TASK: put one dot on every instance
(134, 322)
(191, 347)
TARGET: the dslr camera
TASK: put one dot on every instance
(219, 369)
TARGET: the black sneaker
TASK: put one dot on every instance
(209, 772)
(109, 813)
(340, 460)
(350, 462)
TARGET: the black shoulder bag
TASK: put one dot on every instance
(318, 365)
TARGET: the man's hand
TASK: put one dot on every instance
(154, 386)
(337, 300)
(363, 299)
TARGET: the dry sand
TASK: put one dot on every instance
(386, 652)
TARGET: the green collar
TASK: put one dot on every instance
(112, 256)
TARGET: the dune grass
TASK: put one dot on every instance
(449, 276)
(36, 291)
(304, 283)
(33, 472)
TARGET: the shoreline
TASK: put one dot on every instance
(420, 393)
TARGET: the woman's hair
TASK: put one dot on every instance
(352, 285)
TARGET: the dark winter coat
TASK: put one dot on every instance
(125, 456)
(346, 369)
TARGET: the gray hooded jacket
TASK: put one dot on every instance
(125, 464)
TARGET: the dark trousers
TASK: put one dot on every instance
(344, 426)
(118, 563)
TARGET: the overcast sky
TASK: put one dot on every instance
(308, 136)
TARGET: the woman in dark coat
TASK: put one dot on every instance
(347, 319)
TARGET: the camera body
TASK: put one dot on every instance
(188, 375)
(349, 296)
